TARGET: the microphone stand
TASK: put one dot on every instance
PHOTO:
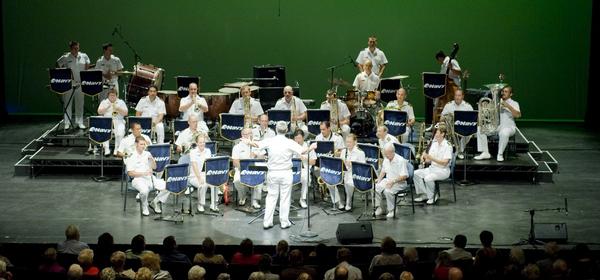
(136, 56)
(531, 238)
(332, 69)
(308, 233)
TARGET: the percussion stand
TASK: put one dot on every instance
(101, 178)
(332, 69)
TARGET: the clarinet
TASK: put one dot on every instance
(423, 164)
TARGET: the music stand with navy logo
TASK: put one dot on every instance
(434, 84)
(217, 175)
(371, 154)
(314, 118)
(178, 127)
(331, 172)
(465, 125)
(100, 131)
(212, 147)
(324, 148)
(253, 174)
(395, 121)
(231, 125)
(404, 151)
(363, 177)
(280, 115)
(91, 82)
(61, 82)
(145, 123)
(183, 84)
(176, 183)
(161, 154)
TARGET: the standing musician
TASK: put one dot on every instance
(244, 151)
(461, 105)
(247, 106)
(391, 179)
(117, 109)
(262, 130)
(127, 145)
(366, 80)
(452, 84)
(349, 154)
(154, 107)
(402, 105)
(383, 137)
(279, 175)
(77, 62)
(193, 104)
(438, 155)
(373, 54)
(197, 178)
(110, 65)
(139, 166)
(455, 70)
(296, 106)
(307, 160)
(339, 113)
(509, 110)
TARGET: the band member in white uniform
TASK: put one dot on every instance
(366, 80)
(296, 106)
(197, 177)
(262, 130)
(139, 166)
(375, 55)
(243, 151)
(279, 175)
(238, 106)
(127, 145)
(328, 135)
(117, 109)
(458, 104)
(76, 61)
(509, 110)
(455, 70)
(402, 105)
(307, 160)
(193, 104)
(186, 137)
(110, 65)
(391, 179)
(342, 120)
(349, 154)
(154, 107)
(383, 137)
(439, 156)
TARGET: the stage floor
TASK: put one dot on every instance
(38, 210)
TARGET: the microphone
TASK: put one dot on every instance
(566, 208)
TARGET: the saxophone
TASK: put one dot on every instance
(247, 113)
(334, 115)
(294, 122)
(421, 144)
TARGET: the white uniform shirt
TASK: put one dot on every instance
(441, 152)
(127, 145)
(355, 154)
(238, 107)
(281, 150)
(386, 139)
(198, 157)
(111, 65)
(241, 151)
(338, 141)
(151, 108)
(451, 106)
(364, 82)
(377, 58)
(191, 110)
(506, 117)
(395, 168)
(311, 154)
(120, 104)
(406, 107)
(259, 134)
(76, 64)
(343, 111)
(139, 162)
(451, 74)
(283, 105)
(186, 138)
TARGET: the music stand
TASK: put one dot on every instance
(183, 83)
(314, 118)
(395, 121)
(363, 177)
(176, 183)
(232, 129)
(217, 176)
(465, 125)
(279, 115)
(253, 174)
(332, 178)
(100, 131)
(61, 81)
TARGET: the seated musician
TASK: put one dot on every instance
(307, 161)
(193, 104)
(117, 109)
(366, 80)
(339, 113)
(391, 179)
(328, 135)
(186, 138)
(383, 137)
(127, 145)
(247, 106)
(349, 154)
(296, 106)
(438, 156)
(139, 166)
(244, 151)
(402, 105)
(262, 130)
(461, 105)
(154, 107)
(197, 177)
(509, 110)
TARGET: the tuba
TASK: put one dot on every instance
(247, 112)
(489, 110)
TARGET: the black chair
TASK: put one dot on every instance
(407, 191)
(241, 271)
(178, 270)
(395, 270)
(466, 266)
(450, 180)
(51, 276)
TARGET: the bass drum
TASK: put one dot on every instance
(172, 101)
(218, 102)
(143, 77)
(363, 125)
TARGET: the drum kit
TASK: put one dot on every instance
(363, 107)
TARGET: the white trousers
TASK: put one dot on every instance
(279, 184)
(160, 133)
(388, 192)
(145, 184)
(349, 187)
(202, 191)
(304, 184)
(462, 143)
(77, 99)
(242, 190)
(119, 132)
(425, 180)
(504, 133)
(404, 136)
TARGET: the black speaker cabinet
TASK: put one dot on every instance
(269, 72)
(547, 232)
(354, 233)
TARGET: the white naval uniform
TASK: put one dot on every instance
(259, 134)
(338, 144)
(279, 177)
(364, 82)
(355, 154)
(506, 129)
(113, 64)
(76, 64)
(185, 139)
(425, 178)
(300, 109)
(191, 110)
(449, 108)
(238, 107)
(303, 174)
(242, 151)
(153, 109)
(451, 75)
(343, 113)
(393, 169)
(406, 107)
(140, 162)
(377, 58)
(386, 139)
(127, 145)
(118, 121)
(199, 157)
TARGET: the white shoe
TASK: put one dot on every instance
(303, 203)
(81, 126)
(255, 204)
(430, 201)
(156, 207)
(348, 207)
(67, 126)
(214, 208)
(378, 211)
(484, 155)
(137, 196)
(242, 202)
(200, 208)
(146, 212)
(460, 156)
(500, 157)
(285, 225)
(390, 214)
(189, 190)
(106, 152)
(419, 199)
(341, 206)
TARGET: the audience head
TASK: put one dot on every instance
(151, 261)
(304, 276)
(86, 257)
(138, 243)
(208, 247)
(72, 232)
(49, 255)
(196, 273)
(246, 247)
(386, 276)
(283, 247)
(117, 260)
(344, 255)
(559, 268)
(296, 257)
(531, 271)
(2, 268)
(455, 274)
(517, 255)
(581, 252)
(551, 249)
(108, 274)
(257, 275)
(340, 273)
(106, 241)
(486, 237)
(460, 241)
(223, 276)
(144, 273)
(264, 264)
(406, 275)
(75, 272)
(411, 254)
(388, 245)
(169, 243)
(443, 259)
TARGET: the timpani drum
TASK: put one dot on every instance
(144, 76)
(218, 102)
(172, 101)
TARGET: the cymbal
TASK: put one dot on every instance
(124, 73)
(237, 84)
(397, 77)
(168, 92)
(495, 86)
(229, 90)
(254, 88)
(340, 82)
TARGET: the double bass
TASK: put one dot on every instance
(451, 87)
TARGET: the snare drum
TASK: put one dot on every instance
(218, 102)
(172, 101)
(371, 98)
(143, 77)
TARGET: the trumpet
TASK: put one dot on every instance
(247, 112)
(115, 112)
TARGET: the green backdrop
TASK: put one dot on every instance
(541, 46)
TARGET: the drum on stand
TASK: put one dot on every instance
(351, 100)
(143, 77)
(218, 102)
(172, 101)
(363, 124)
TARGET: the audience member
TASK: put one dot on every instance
(75, 272)
(223, 276)
(531, 272)
(442, 266)
(138, 247)
(344, 255)
(152, 262)
(86, 260)
(143, 273)
(71, 245)
(104, 250)
(459, 252)
(257, 275)
(486, 262)
(281, 255)
(196, 273)
(455, 274)
(246, 255)
(551, 250)
(297, 267)
(340, 273)
(264, 266)
(208, 256)
(117, 261)
(304, 276)
(108, 274)
(411, 259)
(49, 263)
(515, 263)
(386, 276)
(406, 275)
(170, 253)
(388, 254)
